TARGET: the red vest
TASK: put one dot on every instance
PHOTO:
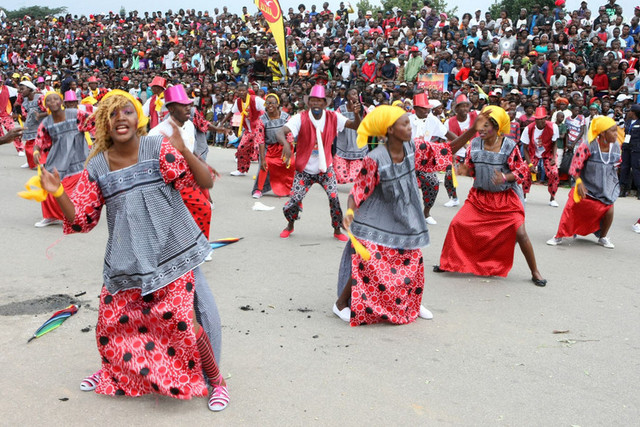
(153, 114)
(307, 139)
(254, 114)
(5, 103)
(547, 143)
(454, 125)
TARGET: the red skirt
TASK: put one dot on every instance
(346, 170)
(198, 204)
(280, 177)
(29, 147)
(50, 208)
(581, 218)
(388, 287)
(147, 344)
(482, 236)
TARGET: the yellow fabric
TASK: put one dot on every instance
(51, 92)
(359, 247)
(59, 192)
(576, 196)
(275, 96)
(377, 122)
(598, 125)
(454, 179)
(398, 103)
(501, 117)
(34, 190)
(142, 119)
(159, 102)
(87, 137)
(244, 113)
(89, 100)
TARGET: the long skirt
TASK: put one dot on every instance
(198, 204)
(346, 170)
(482, 236)
(581, 218)
(50, 208)
(278, 177)
(147, 343)
(387, 288)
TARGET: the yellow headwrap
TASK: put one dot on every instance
(89, 100)
(51, 92)
(142, 119)
(398, 103)
(598, 125)
(377, 122)
(501, 117)
(275, 96)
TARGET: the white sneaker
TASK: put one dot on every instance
(21, 154)
(430, 220)
(45, 222)
(344, 314)
(25, 166)
(636, 227)
(525, 200)
(452, 202)
(604, 241)
(209, 257)
(424, 313)
(553, 204)
(238, 173)
(554, 241)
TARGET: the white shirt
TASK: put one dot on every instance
(462, 152)
(259, 107)
(537, 134)
(187, 131)
(427, 128)
(295, 124)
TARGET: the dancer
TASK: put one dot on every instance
(33, 112)
(315, 130)
(6, 119)
(347, 160)
(61, 144)
(589, 208)
(427, 127)
(70, 99)
(273, 174)
(144, 332)
(155, 108)
(251, 108)
(630, 167)
(94, 91)
(494, 210)
(540, 139)
(384, 214)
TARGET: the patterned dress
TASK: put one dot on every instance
(347, 161)
(431, 157)
(278, 177)
(388, 287)
(598, 173)
(491, 214)
(145, 331)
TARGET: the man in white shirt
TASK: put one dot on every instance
(315, 130)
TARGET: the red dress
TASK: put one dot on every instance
(147, 343)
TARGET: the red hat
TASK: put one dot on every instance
(461, 99)
(592, 100)
(559, 3)
(414, 49)
(421, 100)
(125, 79)
(541, 113)
(159, 81)
(93, 79)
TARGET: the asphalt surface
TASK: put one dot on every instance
(489, 357)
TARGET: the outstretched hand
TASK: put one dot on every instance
(50, 181)
(481, 120)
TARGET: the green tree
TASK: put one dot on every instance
(364, 5)
(512, 7)
(36, 12)
(439, 5)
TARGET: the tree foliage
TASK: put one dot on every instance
(36, 12)
(512, 7)
(439, 5)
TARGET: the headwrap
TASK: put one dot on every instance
(377, 122)
(275, 96)
(142, 119)
(562, 100)
(598, 125)
(51, 92)
(398, 103)
(501, 117)
(89, 100)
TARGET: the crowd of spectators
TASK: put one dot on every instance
(589, 58)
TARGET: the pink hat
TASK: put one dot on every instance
(40, 80)
(317, 92)
(70, 96)
(176, 94)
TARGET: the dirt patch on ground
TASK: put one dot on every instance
(42, 305)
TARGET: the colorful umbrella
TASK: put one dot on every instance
(54, 321)
(223, 242)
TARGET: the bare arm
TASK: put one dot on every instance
(353, 124)
(281, 137)
(50, 183)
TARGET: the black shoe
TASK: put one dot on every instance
(539, 282)
(623, 193)
(437, 269)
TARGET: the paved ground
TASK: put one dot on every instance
(490, 356)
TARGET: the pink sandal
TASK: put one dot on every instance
(91, 382)
(219, 398)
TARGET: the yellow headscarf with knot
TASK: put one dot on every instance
(52, 92)
(377, 122)
(501, 117)
(142, 119)
(598, 125)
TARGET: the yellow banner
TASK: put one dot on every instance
(273, 14)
